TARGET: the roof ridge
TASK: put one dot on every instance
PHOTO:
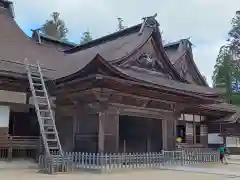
(58, 40)
(104, 39)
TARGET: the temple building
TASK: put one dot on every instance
(124, 92)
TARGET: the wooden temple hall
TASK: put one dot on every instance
(124, 92)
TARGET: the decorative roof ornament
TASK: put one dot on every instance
(149, 21)
(147, 60)
(37, 33)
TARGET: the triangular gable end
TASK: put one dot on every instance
(151, 58)
(151, 55)
(181, 56)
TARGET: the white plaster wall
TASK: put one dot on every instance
(214, 138)
(4, 116)
(12, 97)
(232, 141)
(188, 117)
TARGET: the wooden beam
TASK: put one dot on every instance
(143, 89)
(140, 111)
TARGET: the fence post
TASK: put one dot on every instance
(10, 148)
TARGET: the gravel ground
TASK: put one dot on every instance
(140, 175)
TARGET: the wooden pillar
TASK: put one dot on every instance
(101, 117)
(108, 136)
(10, 149)
(204, 135)
(170, 133)
(75, 125)
(164, 134)
(149, 127)
(194, 129)
(189, 133)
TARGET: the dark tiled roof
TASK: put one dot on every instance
(173, 52)
(113, 47)
(51, 41)
(221, 106)
(15, 46)
(180, 53)
(167, 83)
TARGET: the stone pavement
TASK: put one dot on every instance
(231, 169)
(188, 172)
(225, 170)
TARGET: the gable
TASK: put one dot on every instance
(149, 59)
(180, 55)
(188, 69)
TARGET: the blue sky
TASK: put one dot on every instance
(206, 21)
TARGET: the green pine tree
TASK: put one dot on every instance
(86, 37)
(224, 70)
(55, 27)
(227, 68)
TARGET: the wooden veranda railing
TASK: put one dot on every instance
(29, 142)
(19, 146)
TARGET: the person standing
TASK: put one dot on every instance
(222, 155)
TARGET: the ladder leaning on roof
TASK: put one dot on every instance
(43, 109)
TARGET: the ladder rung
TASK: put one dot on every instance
(35, 75)
(41, 97)
(37, 84)
(44, 111)
(42, 104)
(37, 90)
(33, 65)
(32, 71)
(45, 118)
(53, 148)
(38, 78)
(52, 140)
(51, 132)
(48, 125)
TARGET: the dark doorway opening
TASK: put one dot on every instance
(138, 134)
(24, 133)
(181, 132)
(23, 123)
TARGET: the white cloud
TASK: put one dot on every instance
(205, 21)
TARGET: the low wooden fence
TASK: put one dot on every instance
(73, 161)
(19, 146)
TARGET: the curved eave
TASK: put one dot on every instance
(196, 69)
(125, 58)
(118, 74)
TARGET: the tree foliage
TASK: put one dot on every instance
(86, 37)
(223, 69)
(226, 68)
(55, 27)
